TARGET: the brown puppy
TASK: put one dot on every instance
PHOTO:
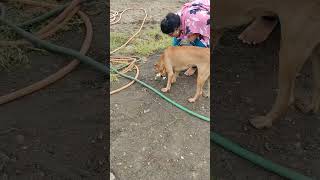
(300, 37)
(179, 58)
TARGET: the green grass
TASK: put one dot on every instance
(117, 39)
(12, 57)
(149, 41)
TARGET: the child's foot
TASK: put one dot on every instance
(258, 31)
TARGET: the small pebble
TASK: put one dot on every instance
(100, 135)
(248, 100)
(298, 145)
(267, 146)
(112, 176)
(4, 177)
(18, 172)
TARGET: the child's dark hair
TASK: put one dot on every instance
(170, 23)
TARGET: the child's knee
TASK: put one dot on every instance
(175, 42)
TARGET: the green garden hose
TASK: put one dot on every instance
(226, 144)
(256, 159)
(54, 48)
(43, 17)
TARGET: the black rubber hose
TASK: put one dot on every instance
(2, 10)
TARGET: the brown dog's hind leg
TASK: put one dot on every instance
(292, 56)
(174, 78)
(258, 31)
(190, 71)
(201, 79)
(207, 92)
(315, 103)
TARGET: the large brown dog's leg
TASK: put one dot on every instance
(290, 62)
(202, 77)
(170, 77)
(199, 89)
(207, 92)
(315, 105)
(259, 30)
(190, 71)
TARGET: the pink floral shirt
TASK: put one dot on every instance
(195, 18)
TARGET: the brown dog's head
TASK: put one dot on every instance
(160, 68)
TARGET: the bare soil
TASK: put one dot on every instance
(58, 132)
(150, 138)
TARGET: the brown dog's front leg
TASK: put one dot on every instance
(167, 88)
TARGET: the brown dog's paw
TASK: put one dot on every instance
(261, 122)
(192, 100)
(165, 90)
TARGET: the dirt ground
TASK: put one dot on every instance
(60, 131)
(150, 138)
(245, 85)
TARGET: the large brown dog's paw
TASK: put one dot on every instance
(261, 122)
(192, 100)
(165, 90)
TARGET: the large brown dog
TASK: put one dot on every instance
(300, 27)
(179, 58)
